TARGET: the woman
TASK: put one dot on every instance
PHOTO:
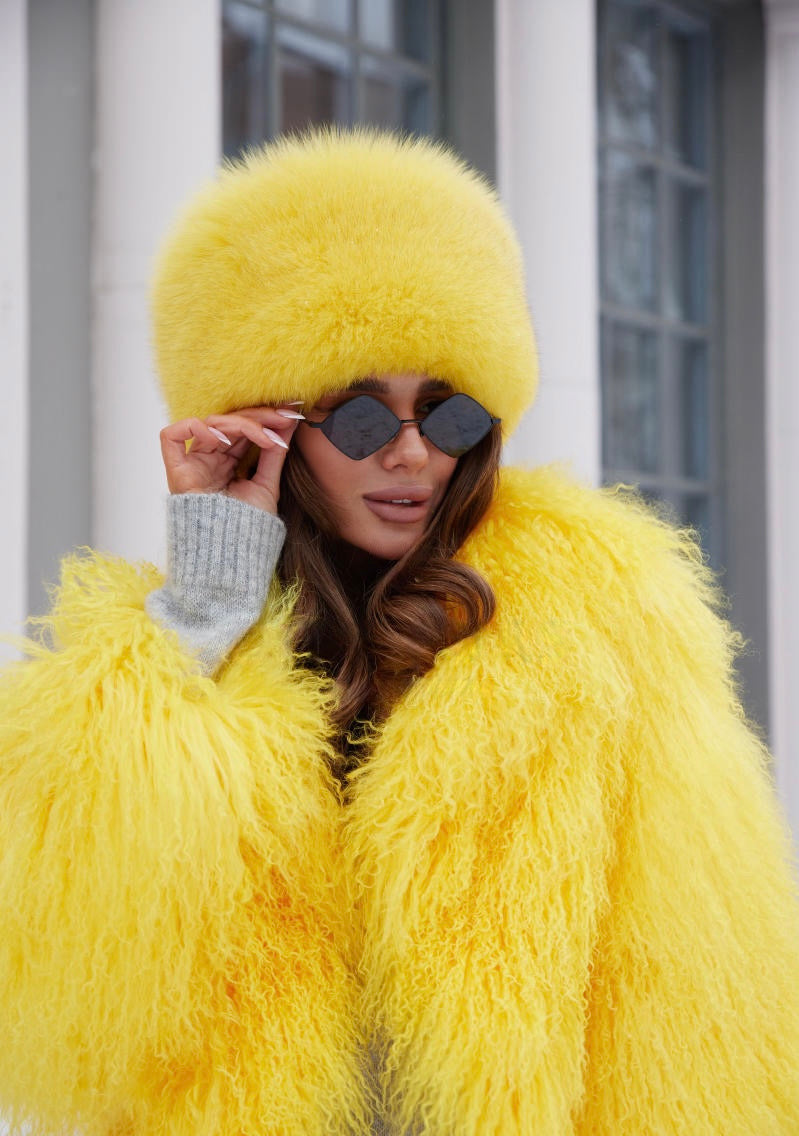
(407, 800)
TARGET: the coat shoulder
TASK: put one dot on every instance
(544, 510)
(549, 536)
(626, 595)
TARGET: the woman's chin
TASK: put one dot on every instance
(385, 545)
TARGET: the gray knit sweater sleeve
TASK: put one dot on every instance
(221, 555)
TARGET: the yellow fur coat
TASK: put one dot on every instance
(557, 902)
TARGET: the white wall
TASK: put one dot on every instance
(782, 386)
(546, 172)
(158, 99)
(13, 317)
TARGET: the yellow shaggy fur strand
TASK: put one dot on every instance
(558, 900)
(337, 255)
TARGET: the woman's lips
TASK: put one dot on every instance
(402, 504)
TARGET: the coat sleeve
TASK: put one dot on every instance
(159, 943)
(693, 1007)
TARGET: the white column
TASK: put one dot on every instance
(158, 136)
(546, 166)
(782, 387)
(13, 316)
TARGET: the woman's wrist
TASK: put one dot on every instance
(221, 554)
(215, 540)
(262, 501)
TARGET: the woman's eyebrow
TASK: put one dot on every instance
(374, 386)
(434, 385)
(380, 386)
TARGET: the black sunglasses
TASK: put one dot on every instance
(364, 425)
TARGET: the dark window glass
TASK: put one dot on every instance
(657, 204)
(287, 64)
(315, 78)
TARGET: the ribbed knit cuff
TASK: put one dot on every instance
(221, 555)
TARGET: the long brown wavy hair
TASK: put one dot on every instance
(375, 626)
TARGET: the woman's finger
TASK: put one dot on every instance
(203, 438)
(276, 418)
(262, 488)
(232, 433)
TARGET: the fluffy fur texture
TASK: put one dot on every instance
(337, 255)
(558, 900)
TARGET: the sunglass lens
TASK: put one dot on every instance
(360, 427)
(457, 425)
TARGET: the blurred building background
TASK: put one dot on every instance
(648, 153)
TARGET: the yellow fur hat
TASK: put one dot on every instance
(325, 258)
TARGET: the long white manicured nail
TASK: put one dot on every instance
(275, 437)
(294, 401)
(291, 414)
(222, 437)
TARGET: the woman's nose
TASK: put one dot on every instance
(408, 448)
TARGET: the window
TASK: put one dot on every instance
(681, 152)
(294, 62)
(658, 212)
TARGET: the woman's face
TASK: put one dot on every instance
(364, 498)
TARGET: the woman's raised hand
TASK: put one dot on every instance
(220, 443)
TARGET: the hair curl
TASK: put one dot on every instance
(376, 626)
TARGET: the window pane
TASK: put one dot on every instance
(315, 79)
(334, 13)
(393, 98)
(686, 277)
(629, 80)
(630, 402)
(243, 77)
(695, 423)
(399, 26)
(686, 82)
(628, 232)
